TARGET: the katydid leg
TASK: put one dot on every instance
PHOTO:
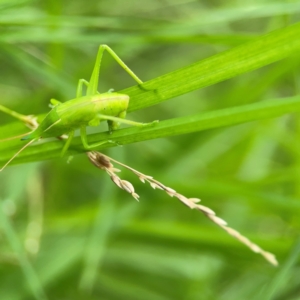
(54, 102)
(114, 125)
(67, 144)
(93, 84)
(90, 146)
(81, 82)
(125, 121)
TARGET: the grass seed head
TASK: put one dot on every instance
(104, 162)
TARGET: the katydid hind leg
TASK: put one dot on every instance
(115, 120)
(94, 81)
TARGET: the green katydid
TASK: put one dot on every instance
(83, 111)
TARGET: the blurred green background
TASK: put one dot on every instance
(67, 232)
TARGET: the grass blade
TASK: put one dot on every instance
(176, 126)
(245, 58)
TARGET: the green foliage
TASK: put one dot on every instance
(230, 137)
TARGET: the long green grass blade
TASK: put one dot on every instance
(245, 58)
(182, 125)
